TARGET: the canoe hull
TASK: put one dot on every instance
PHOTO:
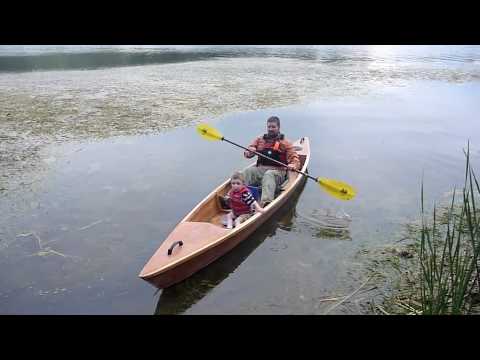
(188, 268)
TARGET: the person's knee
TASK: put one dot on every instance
(269, 177)
(247, 175)
(269, 174)
(251, 176)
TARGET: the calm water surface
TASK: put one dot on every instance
(91, 203)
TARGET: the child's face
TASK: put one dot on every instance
(236, 184)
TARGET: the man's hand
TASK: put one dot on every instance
(291, 167)
(249, 154)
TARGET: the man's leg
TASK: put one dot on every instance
(253, 175)
(271, 181)
(292, 175)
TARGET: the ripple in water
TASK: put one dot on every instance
(328, 223)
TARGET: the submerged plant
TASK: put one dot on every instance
(449, 253)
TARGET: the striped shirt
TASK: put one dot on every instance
(247, 198)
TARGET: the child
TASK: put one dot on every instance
(241, 201)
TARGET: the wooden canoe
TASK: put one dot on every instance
(200, 238)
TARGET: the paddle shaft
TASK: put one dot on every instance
(266, 157)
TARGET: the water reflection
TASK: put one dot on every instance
(30, 58)
(94, 60)
(180, 297)
(104, 58)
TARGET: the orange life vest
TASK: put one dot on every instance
(273, 150)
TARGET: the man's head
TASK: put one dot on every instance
(273, 126)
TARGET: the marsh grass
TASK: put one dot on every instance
(449, 252)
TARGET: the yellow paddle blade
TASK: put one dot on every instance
(208, 132)
(337, 189)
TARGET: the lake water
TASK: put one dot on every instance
(100, 160)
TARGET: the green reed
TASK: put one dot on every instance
(449, 252)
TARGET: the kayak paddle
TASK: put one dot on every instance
(336, 188)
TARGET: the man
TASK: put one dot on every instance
(267, 173)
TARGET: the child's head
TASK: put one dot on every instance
(237, 180)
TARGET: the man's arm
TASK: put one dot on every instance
(252, 147)
(292, 156)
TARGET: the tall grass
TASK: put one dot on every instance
(449, 252)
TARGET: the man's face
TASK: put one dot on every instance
(272, 128)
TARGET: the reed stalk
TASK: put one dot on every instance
(449, 252)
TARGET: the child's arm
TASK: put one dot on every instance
(258, 207)
(249, 200)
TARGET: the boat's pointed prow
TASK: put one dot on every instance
(187, 239)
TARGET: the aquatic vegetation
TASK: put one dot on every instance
(439, 273)
(436, 272)
(449, 251)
